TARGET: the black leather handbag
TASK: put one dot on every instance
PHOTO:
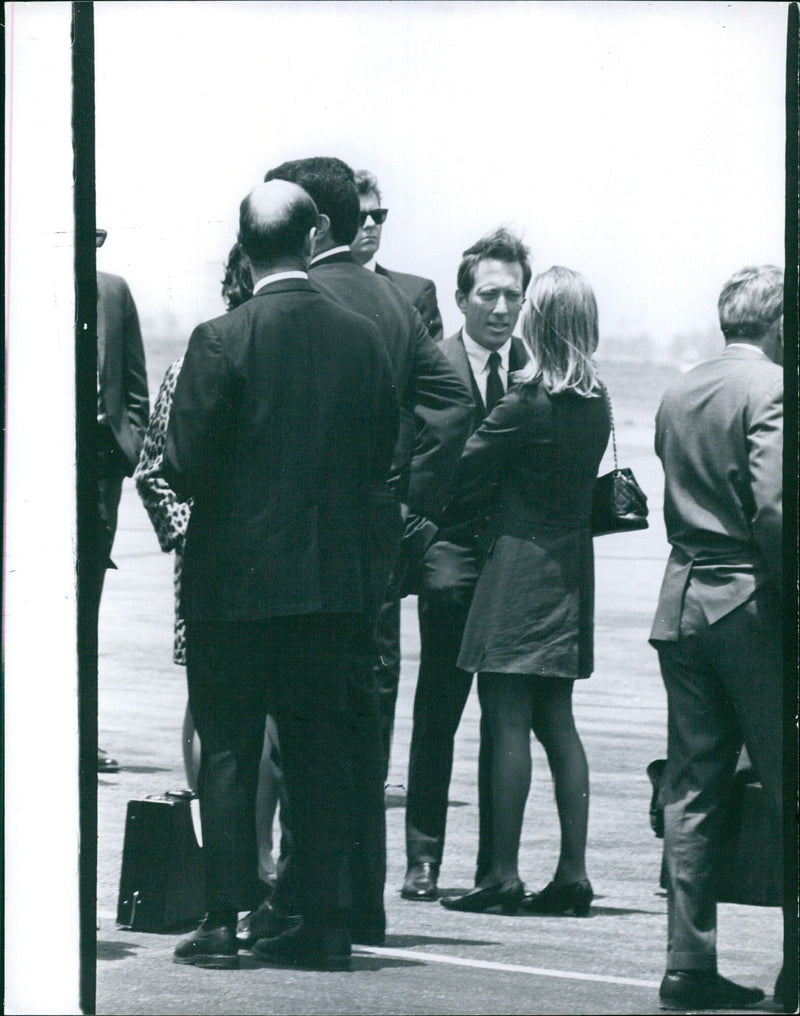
(619, 504)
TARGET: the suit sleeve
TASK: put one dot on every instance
(765, 455)
(135, 382)
(428, 308)
(443, 411)
(521, 419)
(168, 514)
(200, 418)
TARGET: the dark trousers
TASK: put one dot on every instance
(367, 830)
(111, 471)
(724, 686)
(449, 577)
(386, 672)
(300, 670)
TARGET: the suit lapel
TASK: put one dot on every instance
(455, 352)
(517, 355)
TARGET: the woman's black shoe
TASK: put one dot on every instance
(506, 896)
(560, 899)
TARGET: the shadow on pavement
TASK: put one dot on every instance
(409, 941)
(359, 962)
(145, 769)
(115, 950)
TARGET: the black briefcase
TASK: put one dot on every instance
(749, 861)
(161, 882)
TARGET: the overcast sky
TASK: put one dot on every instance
(642, 144)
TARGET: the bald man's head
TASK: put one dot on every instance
(275, 222)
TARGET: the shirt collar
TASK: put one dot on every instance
(480, 356)
(329, 253)
(370, 265)
(745, 345)
(278, 277)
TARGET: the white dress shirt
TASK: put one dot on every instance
(329, 254)
(278, 277)
(479, 362)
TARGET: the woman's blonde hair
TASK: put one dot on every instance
(559, 324)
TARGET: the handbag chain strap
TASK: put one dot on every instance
(607, 397)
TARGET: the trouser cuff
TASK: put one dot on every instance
(691, 961)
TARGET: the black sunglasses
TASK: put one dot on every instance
(378, 216)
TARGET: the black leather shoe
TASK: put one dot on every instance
(704, 989)
(420, 883)
(318, 949)
(506, 896)
(560, 899)
(265, 922)
(106, 764)
(213, 946)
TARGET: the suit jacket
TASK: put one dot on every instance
(447, 568)
(436, 407)
(719, 435)
(282, 426)
(421, 293)
(121, 367)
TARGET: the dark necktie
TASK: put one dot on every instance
(494, 386)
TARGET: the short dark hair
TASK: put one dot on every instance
(237, 283)
(332, 185)
(367, 183)
(265, 242)
(500, 245)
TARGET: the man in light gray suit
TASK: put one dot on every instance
(719, 435)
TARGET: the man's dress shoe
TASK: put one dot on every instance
(420, 883)
(507, 896)
(560, 899)
(264, 922)
(310, 949)
(212, 946)
(704, 989)
(106, 764)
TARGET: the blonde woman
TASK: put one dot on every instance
(529, 633)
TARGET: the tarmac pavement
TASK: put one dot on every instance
(434, 961)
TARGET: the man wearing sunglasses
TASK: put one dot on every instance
(417, 290)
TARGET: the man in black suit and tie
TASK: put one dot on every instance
(417, 290)
(123, 410)
(719, 435)
(281, 430)
(492, 279)
(436, 411)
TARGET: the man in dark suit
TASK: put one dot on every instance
(282, 428)
(492, 280)
(719, 435)
(417, 290)
(123, 411)
(436, 409)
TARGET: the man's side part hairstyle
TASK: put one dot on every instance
(750, 301)
(499, 245)
(366, 184)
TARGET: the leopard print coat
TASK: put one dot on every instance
(169, 515)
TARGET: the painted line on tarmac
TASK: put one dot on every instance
(514, 968)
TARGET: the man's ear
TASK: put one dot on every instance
(461, 300)
(323, 228)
